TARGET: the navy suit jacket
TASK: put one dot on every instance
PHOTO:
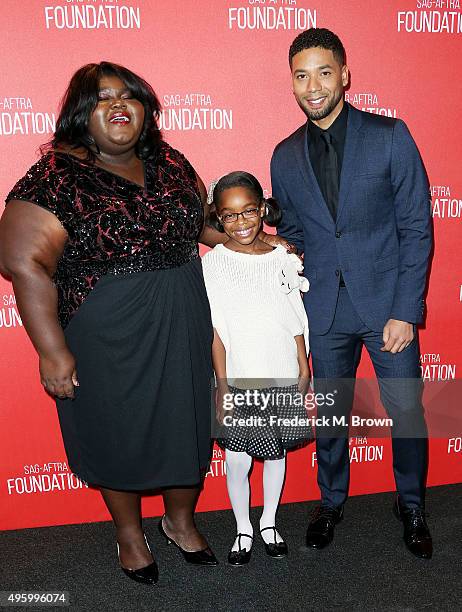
(381, 240)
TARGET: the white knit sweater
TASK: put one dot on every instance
(257, 311)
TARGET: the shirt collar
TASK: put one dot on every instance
(337, 129)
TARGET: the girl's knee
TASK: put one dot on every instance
(237, 462)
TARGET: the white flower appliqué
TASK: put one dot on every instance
(289, 275)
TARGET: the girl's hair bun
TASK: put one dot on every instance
(273, 213)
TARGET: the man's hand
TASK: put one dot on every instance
(397, 335)
(273, 240)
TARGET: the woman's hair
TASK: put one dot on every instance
(240, 178)
(81, 98)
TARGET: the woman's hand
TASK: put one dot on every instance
(58, 374)
(32, 241)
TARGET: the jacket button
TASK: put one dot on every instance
(338, 234)
(337, 272)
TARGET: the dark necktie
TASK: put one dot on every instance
(330, 174)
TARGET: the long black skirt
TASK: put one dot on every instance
(141, 417)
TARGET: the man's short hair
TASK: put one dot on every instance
(318, 37)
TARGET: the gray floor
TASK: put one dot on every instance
(366, 568)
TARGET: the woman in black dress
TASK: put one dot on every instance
(100, 240)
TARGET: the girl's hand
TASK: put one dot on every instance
(304, 380)
(221, 391)
(58, 374)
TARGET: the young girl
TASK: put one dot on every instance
(259, 353)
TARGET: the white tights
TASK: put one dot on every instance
(238, 465)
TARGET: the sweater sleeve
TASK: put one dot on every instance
(213, 294)
(292, 283)
(296, 303)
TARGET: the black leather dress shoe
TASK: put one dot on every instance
(416, 534)
(275, 549)
(241, 556)
(196, 557)
(320, 532)
(146, 575)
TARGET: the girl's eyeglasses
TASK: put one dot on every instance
(250, 213)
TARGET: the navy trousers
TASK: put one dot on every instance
(335, 357)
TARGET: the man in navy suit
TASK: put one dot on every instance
(355, 200)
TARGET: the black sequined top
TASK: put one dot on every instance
(115, 226)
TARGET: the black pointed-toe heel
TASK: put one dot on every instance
(196, 557)
(241, 556)
(145, 575)
(275, 549)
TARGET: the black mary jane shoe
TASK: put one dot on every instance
(416, 534)
(196, 557)
(145, 575)
(241, 556)
(275, 549)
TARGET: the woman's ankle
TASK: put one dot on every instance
(130, 534)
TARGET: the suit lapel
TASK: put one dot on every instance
(303, 160)
(353, 141)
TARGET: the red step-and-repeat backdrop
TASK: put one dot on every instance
(221, 72)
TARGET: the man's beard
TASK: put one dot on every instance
(322, 113)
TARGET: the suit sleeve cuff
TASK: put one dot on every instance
(411, 312)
